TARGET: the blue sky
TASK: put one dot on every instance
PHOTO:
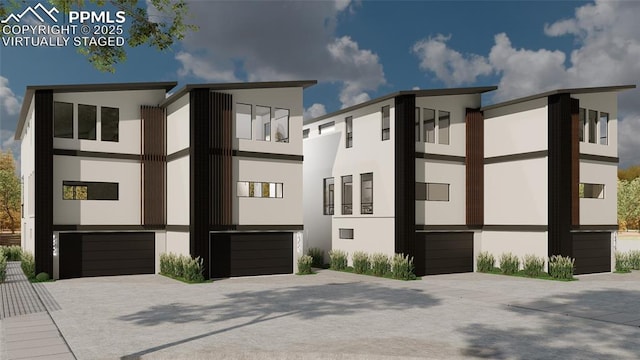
(361, 50)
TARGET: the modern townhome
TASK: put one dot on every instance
(115, 174)
(431, 174)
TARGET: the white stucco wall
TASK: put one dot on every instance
(599, 211)
(178, 125)
(178, 191)
(518, 243)
(452, 212)
(27, 161)
(371, 235)
(177, 242)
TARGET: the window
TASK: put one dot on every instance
(581, 124)
(87, 122)
(110, 120)
(604, 127)
(386, 123)
(327, 202)
(591, 191)
(444, 119)
(259, 189)
(429, 125)
(417, 124)
(345, 233)
(366, 193)
(281, 123)
(347, 195)
(85, 190)
(349, 124)
(263, 120)
(593, 126)
(305, 133)
(327, 127)
(63, 120)
(432, 192)
(243, 121)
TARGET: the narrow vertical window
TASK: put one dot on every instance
(444, 120)
(386, 123)
(347, 195)
(429, 125)
(62, 120)
(604, 128)
(243, 121)
(417, 124)
(581, 123)
(87, 122)
(305, 133)
(328, 196)
(263, 123)
(593, 126)
(281, 123)
(110, 123)
(349, 124)
(366, 193)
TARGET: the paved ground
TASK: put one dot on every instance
(344, 316)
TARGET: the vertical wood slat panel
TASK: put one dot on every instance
(575, 163)
(154, 165)
(474, 120)
(43, 172)
(221, 171)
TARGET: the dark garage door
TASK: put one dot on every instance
(251, 254)
(101, 254)
(592, 252)
(446, 253)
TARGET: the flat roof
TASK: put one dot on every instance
(417, 93)
(241, 85)
(70, 88)
(584, 90)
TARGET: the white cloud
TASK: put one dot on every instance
(314, 111)
(267, 41)
(9, 101)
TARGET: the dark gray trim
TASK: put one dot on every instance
(261, 155)
(107, 227)
(590, 157)
(594, 228)
(238, 86)
(515, 228)
(442, 227)
(440, 157)
(96, 154)
(587, 90)
(414, 93)
(178, 154)
(223, 228)
(516, 157)
(43, 172)
(177, 228)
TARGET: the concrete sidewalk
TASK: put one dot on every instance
(27, 331)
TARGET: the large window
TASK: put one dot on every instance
(110, 122)
(591, 191)
(581, 123)
(349, 125)
(258, 189)
(263, 121)
(429, 125)
(444, 119)
(63, 120)
(593, 126)
(604, 127)
(88, 190)
(347, 195)
(386, 123)
(281, 123)
(243, 121)
(432, 191)
(87, 122)
(328, 196)
(366, 193)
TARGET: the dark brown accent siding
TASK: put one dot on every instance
(249, 227)
(154, 163)
(43, 169)
(560, 177)
(221, 171)
(601, 158)
(259, 155)
(177, 228)
(441, 227)
(474, 120)
(440, 157)
(596, 227)
(515, 228)
(178, 154)
(516, 157)
(96, 154)
(405, 177)
(107, 227)
(575, 163)
(592, 252)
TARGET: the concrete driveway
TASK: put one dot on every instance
(335, 315)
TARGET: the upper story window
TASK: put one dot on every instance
(386, 122)
(349, 134)
(432, 191)
(281, 123)
(429, 125)
(110, 123)
(595, 128)
(581, 123)
(259, 189)
(327, 196)
(243, 121)
(87, 122)
(604, 128)
(347, 195)
(326, 127)
(417, 124)
(63, 120)
(305, 133)
(263, 121)
(89, 190)
(444, 120)
(366, 193)
(591, 191)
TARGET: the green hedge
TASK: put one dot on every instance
(182, 267)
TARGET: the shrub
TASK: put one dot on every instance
(43, 276)
(623, 263)
(192, 269)
(317, 256)
(634, 259)
(402, 267)
(28, 265)
(182, 267)
(486, 262)
(3, 266)
(561, 267)
(380, 264)
(338, 259)
(304, 265)
(361, 263)
(509, 263)
(12, 253)
(533, 265)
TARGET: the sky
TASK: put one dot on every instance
(360, 50)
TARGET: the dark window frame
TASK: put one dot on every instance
(444, 115)
(277, 120)
(305, 133)
(590, 189)
(250, 121)
(582, 123)
(278, 193)
(347, 207)
(348, 121)
(328, 196)
(366, 208)
(346, 234)
(423, 192)
(111, 138)
(58, 123)
(425, 125)
(603, 120)
(93, 190)
(593, 126)
(385, 117)
(83, 121)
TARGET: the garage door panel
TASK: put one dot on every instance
(253, 262)
(117, 255)
(261, 271)
(446, 253)
(108, 244)
(452, 262)
(592, 252)
(251, 254)
(258, 254)
(263, 244)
